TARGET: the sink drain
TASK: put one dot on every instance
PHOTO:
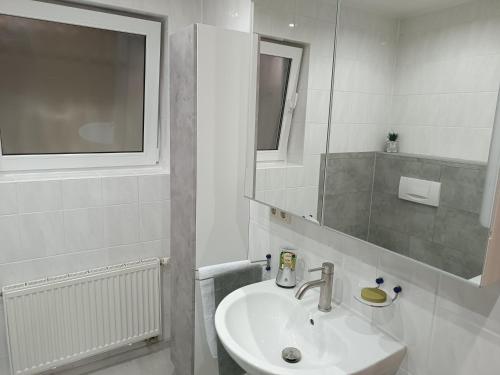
(291, 355)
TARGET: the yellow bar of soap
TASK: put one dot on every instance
(373, 295)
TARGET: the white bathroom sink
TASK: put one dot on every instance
(257, 322)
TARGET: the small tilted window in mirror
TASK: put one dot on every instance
(279, 68)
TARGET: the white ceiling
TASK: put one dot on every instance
(403, 8)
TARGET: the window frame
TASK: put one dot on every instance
(106, 21)
(295, 55)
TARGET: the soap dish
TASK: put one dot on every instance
(391, 295)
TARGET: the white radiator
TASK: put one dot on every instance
(59, 320)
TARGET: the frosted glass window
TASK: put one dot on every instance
(69, 89)
(278, 67)
(273, 82)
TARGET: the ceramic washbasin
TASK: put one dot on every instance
(257, 322)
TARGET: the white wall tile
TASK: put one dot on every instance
(154, 188)
(410, 321)
(439, 70)
(10, 239)
(461, 348)
(126, 253)
(42, 234)
(131, 252)
(318, 106)
(158, 248)
(36, 268)
(8, 201)
(480, 307)
(320, 73)
(315, 139)
(327, 10)
(120, 190)
(121, 224)
(312, 166)
(295, 199)
(81, 193)
(259, 241)
(339, 138)
(308, 8)
(84, 229)
(152, 221)
(229, 14)
(442, 62)
(276, 178)
(294, 176)
(39, 196)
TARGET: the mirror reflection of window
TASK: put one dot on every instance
(279, 67)
(273, 78)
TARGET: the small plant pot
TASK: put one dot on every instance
(392, 146)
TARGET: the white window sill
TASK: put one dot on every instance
(81, 173)
(276, 164)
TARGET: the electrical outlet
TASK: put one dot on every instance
(281, 216)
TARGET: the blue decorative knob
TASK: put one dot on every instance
(397, 289)
(268, 262)
(379, 280)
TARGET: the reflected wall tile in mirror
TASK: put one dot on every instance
(315, 139)
(460, 230)
(406, 217)
(320, 74)
(348, 212)
(462, 188)
(295, 200)
(349, 172)
(427, 251)
(347, 192)
(295, 176)
(390, 168)
(422, 232)
(389, 238)
(317, 109)
(312, 169)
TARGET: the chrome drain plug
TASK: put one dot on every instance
(291, 355)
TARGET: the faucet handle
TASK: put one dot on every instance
(315, 269)
(326, 267)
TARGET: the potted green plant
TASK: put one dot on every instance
(392, 144)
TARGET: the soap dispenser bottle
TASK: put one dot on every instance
(286, 277)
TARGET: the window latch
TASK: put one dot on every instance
(292, 103)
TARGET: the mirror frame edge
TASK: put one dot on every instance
(491, 267)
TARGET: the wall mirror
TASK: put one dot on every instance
(294, 61)
(413, 151)
(429, 72)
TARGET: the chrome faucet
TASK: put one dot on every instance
(325, 284)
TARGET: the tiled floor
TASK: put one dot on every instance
(154, 364)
